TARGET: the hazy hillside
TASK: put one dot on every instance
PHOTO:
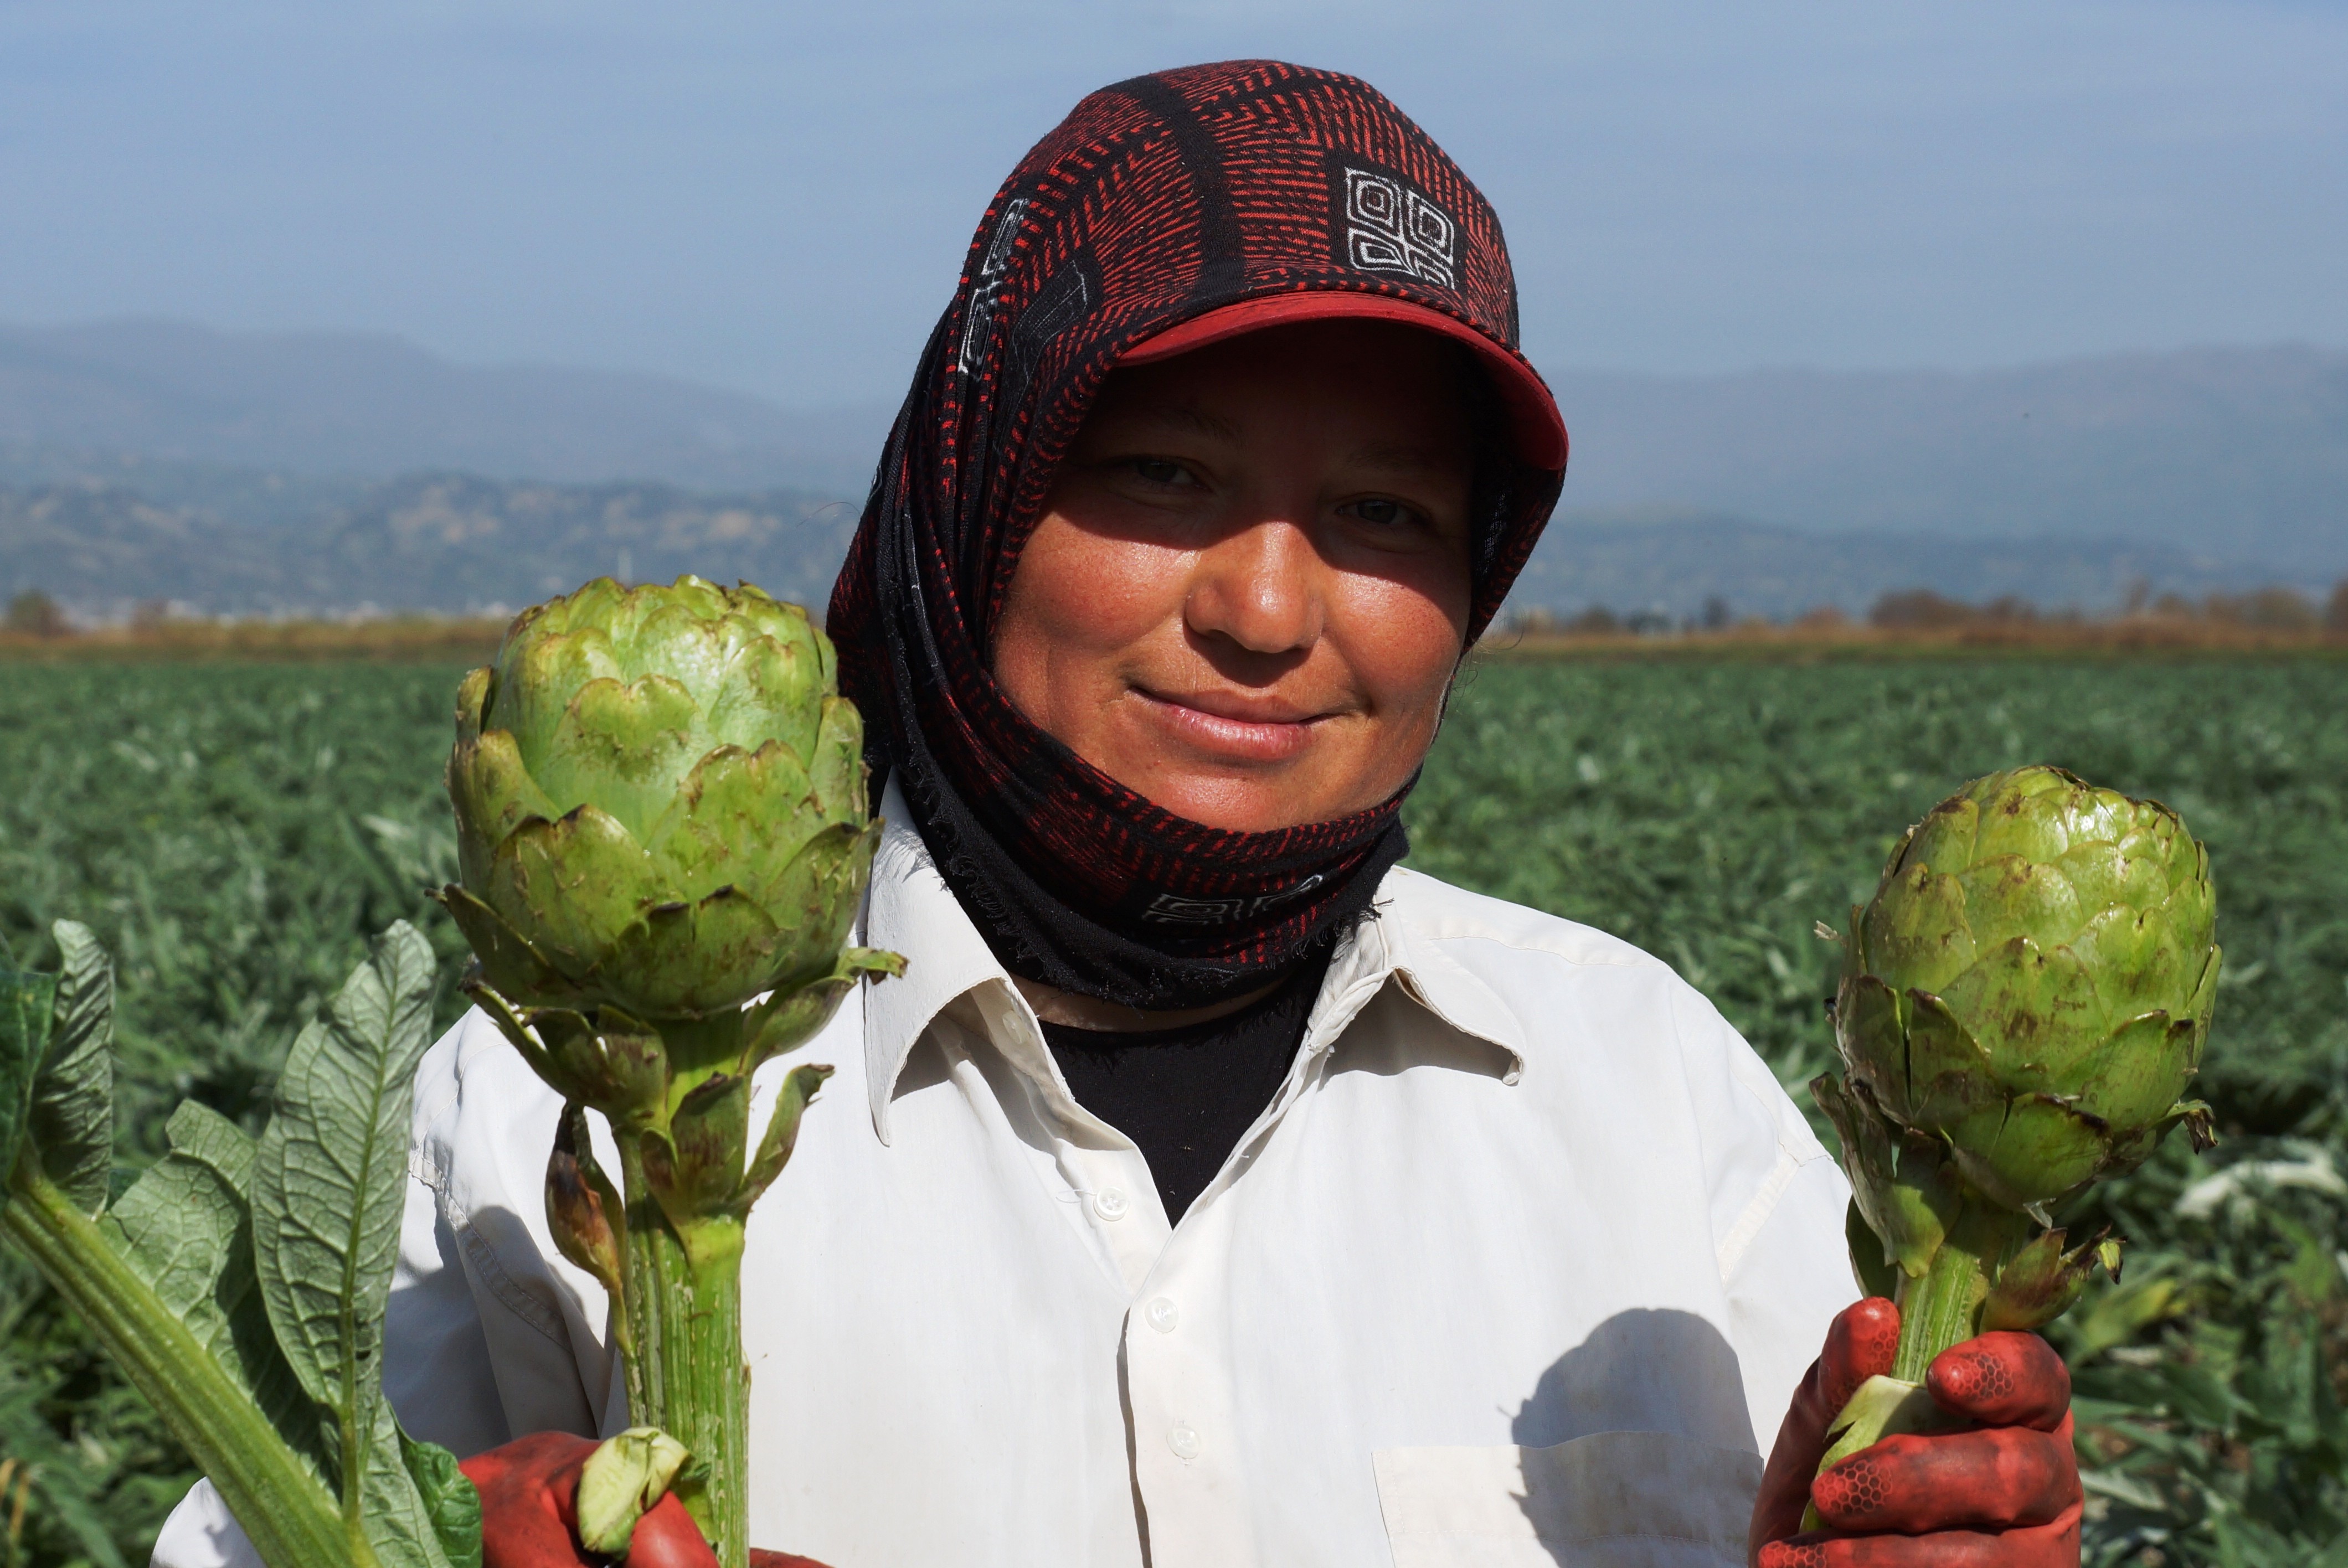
(456, 543)
(2234, 453)
(346, 402)
(1679, 564)
(2238, 454)
(436, 542)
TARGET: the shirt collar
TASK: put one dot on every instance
(914, 912)
(1415, 958)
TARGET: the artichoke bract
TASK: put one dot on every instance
(2023, 1005)
(664, 839)
(660, 801)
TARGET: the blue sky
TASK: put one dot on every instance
(776, 196)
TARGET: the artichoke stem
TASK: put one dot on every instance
(687, 1375)
(641, 1298)
(1943, 1307)
(1936, 1311)
(289, 1517)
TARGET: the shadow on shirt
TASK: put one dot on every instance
(1637, 1443)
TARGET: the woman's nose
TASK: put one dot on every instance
(1257, 588)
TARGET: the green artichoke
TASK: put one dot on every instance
(2022, 1006)
(660, 802)
(2031, 983)
(661, 815)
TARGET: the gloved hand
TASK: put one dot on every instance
(2005, 1493)
(528, 1519)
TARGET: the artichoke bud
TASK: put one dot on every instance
(576, 1196)
(660, 803)
(2030, 985)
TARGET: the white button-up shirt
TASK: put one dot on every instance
(1519, 1267)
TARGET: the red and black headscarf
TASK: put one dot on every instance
(1165, 211)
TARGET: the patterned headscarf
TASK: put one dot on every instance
(1206, 199)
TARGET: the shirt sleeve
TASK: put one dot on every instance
(1778, 1202)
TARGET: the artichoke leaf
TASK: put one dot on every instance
(2033, 1005)
(702, 1153)
(27, 1003)
(1951, 1074)
(737, 819)
(688, 960)
(2014, 896)
(621, 1481)
(2130, 1079)
(72, 1109)
(572, 886)
(1922, 935)
(2041, 1151)
(1902, 1188)
(2039, 1283)
(781, 1134)
(506, 960)
(787, 1020)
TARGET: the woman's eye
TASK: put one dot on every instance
(1382, 513)
(1160, 471)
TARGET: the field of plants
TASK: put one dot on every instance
(234, 830)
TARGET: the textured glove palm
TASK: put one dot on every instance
(529, 1520)
(2003, 1493)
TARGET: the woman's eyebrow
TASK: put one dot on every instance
(1185, 416)
(1406, 458)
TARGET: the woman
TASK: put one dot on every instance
(1213, 1191)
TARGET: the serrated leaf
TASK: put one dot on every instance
(326, 1189)
(72, 1119)
(450, 1498)
(415, 1504)
(27, 1001)
(185, 1228)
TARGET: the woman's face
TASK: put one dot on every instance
(1250, 586)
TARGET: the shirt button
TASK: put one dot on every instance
(1110, 1203)
(1183, 1440)
(1163, 1314)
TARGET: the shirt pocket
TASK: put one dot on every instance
(1610, 1500)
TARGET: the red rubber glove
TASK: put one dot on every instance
(529, 1492)
(2002, 1495)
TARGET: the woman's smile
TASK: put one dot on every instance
(1234, 726)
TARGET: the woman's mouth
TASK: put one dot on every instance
(1232, 726)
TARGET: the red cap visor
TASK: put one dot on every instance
(1536, 430)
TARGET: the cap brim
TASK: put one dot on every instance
(1535, 429)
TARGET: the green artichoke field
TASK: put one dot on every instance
(234, 833)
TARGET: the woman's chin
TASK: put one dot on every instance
(1245, 804)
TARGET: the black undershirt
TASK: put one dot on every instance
(1186, 1096)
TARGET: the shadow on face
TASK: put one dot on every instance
(1250, 586)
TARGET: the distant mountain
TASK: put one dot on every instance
(346, 402)
(1678, 565)
(2239, 454)
(244, 472)
(448, 543)
(459, 544)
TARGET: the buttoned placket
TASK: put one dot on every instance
(1176, 1357)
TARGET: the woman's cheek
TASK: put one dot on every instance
(1404, 642)
(1077, 603)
